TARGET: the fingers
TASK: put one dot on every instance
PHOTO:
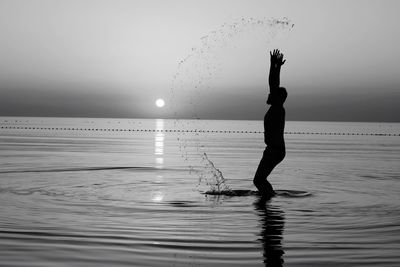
(277, 57)
(275, 52)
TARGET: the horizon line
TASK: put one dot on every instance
(171, 118)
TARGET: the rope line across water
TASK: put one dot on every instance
(180, 131)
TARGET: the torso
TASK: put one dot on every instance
(274, 126)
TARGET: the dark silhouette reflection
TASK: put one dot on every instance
(272, 223)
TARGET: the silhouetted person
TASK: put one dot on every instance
(274, 125)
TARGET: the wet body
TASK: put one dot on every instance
(274, 125)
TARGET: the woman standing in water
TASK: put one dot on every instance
(274, 125)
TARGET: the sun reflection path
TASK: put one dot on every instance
(159, 143)
(158, 195)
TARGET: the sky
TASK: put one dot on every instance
(207, 59)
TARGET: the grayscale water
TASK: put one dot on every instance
(120, 192)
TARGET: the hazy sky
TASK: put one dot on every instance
(115, 58)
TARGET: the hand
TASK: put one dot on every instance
(277, 58)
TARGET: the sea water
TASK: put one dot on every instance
(130, 192)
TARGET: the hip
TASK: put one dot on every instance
(275, 152)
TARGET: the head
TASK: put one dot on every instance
(278, 97)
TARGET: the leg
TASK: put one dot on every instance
(267, 164)
(260, 178)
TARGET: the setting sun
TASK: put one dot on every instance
(160, 103)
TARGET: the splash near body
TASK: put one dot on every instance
(213, 177)
(196, 85)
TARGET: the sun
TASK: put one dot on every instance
(160, 103)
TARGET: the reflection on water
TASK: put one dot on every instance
(159, 142)
(159, 162)
(158, 194)
(272, 224)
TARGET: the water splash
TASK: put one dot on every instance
(198, 70)
(194, 79)
(213, 177)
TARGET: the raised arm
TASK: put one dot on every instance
(275, 69)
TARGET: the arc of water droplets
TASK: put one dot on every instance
(195, 71)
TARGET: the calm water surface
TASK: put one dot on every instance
(110, 192)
